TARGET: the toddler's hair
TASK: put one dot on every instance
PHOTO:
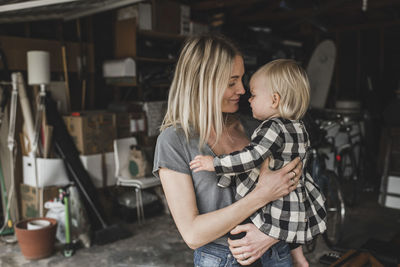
(287, 78)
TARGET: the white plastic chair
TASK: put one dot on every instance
(122, 153)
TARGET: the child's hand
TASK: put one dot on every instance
(202, 163)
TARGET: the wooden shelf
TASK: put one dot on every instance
(161, 35)
(156, 60)
(122, 82)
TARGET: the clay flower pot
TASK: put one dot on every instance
(37, 243)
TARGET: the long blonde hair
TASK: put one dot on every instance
(287, 78)
(201, 76)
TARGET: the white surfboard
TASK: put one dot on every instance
(320, 70)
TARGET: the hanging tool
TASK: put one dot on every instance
(11, 135)
(7, 227)
(64, 195)
(11, 147)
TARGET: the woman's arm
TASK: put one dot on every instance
(198, 230)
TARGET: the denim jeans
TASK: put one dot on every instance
(215, 255)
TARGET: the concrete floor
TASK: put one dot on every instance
(158, 243)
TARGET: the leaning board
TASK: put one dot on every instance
(319, 71)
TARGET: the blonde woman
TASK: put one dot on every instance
(203, 96)
(279, 97)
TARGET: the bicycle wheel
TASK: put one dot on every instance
(335, 208)
(348, 175)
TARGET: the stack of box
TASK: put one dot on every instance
(94, 133)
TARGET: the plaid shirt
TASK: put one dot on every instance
(297, 217)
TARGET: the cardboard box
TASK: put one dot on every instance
(51, 172)
(93, 165)
(128, 20)
(166, 16)
(101, 168)
(125, 38)
(92, 131)
(141, 12)
(171, 17)
(28, 199)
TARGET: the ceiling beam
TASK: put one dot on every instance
(105, 6)
(215, 4)
(32, 4)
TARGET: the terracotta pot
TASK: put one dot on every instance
(38, 243)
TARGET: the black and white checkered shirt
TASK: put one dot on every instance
(295, 218)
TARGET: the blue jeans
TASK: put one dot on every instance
(215, 255)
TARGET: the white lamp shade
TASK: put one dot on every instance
(38, 67)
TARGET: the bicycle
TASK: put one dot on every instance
(328, 182)
(348, 157)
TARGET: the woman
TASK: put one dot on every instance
(204, 95)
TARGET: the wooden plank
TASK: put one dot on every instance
(15, 49)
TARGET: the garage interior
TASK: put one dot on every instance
(84, 86)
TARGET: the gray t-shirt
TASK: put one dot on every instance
(174, 152)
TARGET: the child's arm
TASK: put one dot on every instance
(267, 139)
(202, 163)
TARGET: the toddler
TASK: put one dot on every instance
(279, 97)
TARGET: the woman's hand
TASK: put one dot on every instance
(251, 247)
(276, 184)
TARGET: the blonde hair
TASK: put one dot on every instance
(290, 81)
(201, 77)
